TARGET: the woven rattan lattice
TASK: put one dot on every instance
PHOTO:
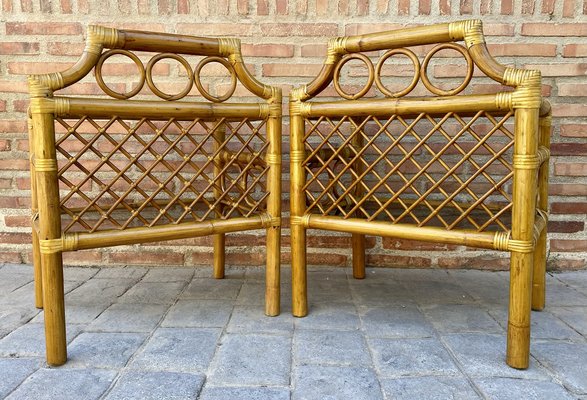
(137, 164)
(456, 163)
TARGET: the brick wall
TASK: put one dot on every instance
(284, 44)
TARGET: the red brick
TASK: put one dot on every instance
(296, 70)
(466, 7)
(14, 86)
(574, 130)
(405, 244)
(485, 7)
(528, 6)
(565, 264)
(444, 7)
(43, 28)
(299, 29)
(27, 68)
(525, 49)
(2, 105)
(384, 260)
(498, 29)
(242, 7)
(66, 6)
(365, 28)
(424, 7)
(570, 169)
(362, 7)
(267, 50)
(17, 220)
(569, 110)
(556, 70)
(569, 208)
(322, 7)
(572, 89)
(65, 49)
(551, 29)
(568, 8)
(10, 257)
(491, 263)
(256, 258)
(7, 6)
(568, 245)
(15, 238)
(565, 226)
(218, 29)
(575, 50)
(567, 189)
(14, 165)
(281, 7)
(14, 48)
(403, 7)
(5, 183)
(314, 50)
(548, 6)
(147, 258)
(85, 257)
(26, 6)
(262, 7)
(507, 7)
(4, 145)
(183, 7)
(332, 260)
(568, 149)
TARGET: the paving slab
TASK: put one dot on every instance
(99, 291)
(198, 314)
(381, 293)
(425, 292)
(319, 382)
(29, 340)
(152, 293)
(429, 388)
(74, 314)
(569, 360)
(461, 318)
(212, 289)
(575, 317)
(14, 372)
(395, 321)
(79, 273)
(134, 273)
(178, 349)
(338, 316)
(404, 357)
(247, 319)
(169, 274)
(64, 384)
(331, 347)
(129, 318)
(244, 393)
(140, 385)
(252, 360)
(103, 349)
(516, 389)
(559, 294)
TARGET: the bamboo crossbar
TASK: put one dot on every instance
(462, 105)
(71, 107)
(84, 241)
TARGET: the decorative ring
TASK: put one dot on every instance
(105, 88)
(341, 63)
(456, 90)
(410, 54)
(160, 93)
(230, 69)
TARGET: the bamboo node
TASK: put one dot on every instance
(297, 156)
(45, 164)
(543, 154)
(61, 106)
(51, 246)
(298, 94)
(526, 161)
(546, 120)
(228, 47)
(528, 87)
(263, 110)
(336, 48)
(39, 86)
(471, 31)
(40, 105)
(267, 221)
(70, 241)
(503, 100)
(99, 36)
(500, 240)
(273, 159)
(521, 246)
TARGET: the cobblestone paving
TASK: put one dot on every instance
(175, 333)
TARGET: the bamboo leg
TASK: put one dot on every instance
(358, 242)
(50, 229)
(37, 268)
(539, 276)
(297, 211)
(219, 239)
(523, 212)
(273, 157)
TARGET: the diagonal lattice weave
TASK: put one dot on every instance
(451, 171)
(116, 174)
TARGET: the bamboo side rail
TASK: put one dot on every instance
(445, 168)
(119, 171)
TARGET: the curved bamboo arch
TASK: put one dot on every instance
(527, 82)
(100, 38)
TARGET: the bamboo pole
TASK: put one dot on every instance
(273, 157)
(523, 212)
(297, 211)
(539, 274)
(358, 240)
(37, 266)
(50, 228)
(219, 239)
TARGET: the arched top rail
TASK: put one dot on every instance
(101, 42)
(341, 49)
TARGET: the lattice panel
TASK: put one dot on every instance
(116, 174)
(451, 171)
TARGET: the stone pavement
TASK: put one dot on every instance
(175, 333)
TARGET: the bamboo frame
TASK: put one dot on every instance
(202, 168)
(321, 198)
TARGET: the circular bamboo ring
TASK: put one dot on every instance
(369, 83)
(230, 69)
(456, 90)
(102, 84)
(410, 54)
(160, 93)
